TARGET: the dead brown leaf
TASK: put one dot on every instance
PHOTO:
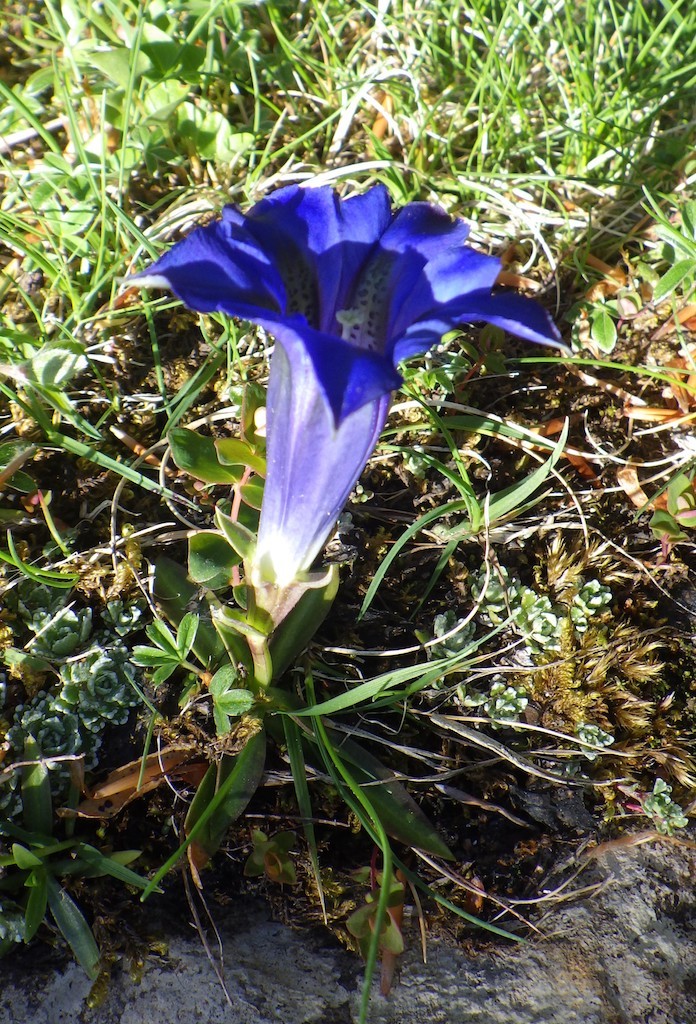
(132, 781)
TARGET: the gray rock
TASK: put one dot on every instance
(624, 954)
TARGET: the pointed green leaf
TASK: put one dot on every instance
(670, 281)
(113, 865)
(242, 540)
(195, 454)
(224, 679)
(663, 524)
(37, 901)
(224, 793)
(150, 657)
(211, 560)
(298, 771)
(233, 452)
(399, 813)
(162, 674)
(36, 791)
(295, 631)
(223, 725)
(74, 928)
(603, 330)
(25, 859)
(235, 702)
(252, 492)
(160, 635)
(186, 634)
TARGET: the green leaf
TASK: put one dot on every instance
(224, 793)
(36, 791)
(163, 638)
(252, 492)
(151, 657)
(242, 540)
(235, 702)
(295, 631)
(234, 619)
(197, 455)
(113, 865)
(60, 580)
(25, 859)
(234, 452)
(671, 280)
(680, 494)
(116, 64)
(293, 742)
(211, 560)
(228, 700)
(223, 724)
(603, 330)
(209, 134)
(160, 102)
(688, 213)
(399, 813)
(55, 365)
(223, 679)
(35, 912)
(174, 593)
(160, 675)
(168, 55)
(14, 454)
(186, 634)
(663, 524)
(74, 928)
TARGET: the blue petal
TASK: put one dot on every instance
(419, 263)
(220, 268)
(448, 278)
(348, 377)
(312, 465)
(521, 316)
(318, 244)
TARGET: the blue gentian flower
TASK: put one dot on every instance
(348, 288)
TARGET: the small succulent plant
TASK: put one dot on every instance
(11, 925)
(504, 598)
(60, 635)
(505, 703)
(589, 733)
(98, 688)
(665, 813)
(57, 734)
(94, 686)
(122, 619)
(36, 603)
(461, 635)
(591, 600)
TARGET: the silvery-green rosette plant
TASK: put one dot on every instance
(348, 288)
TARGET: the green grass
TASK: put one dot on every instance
(564, 133)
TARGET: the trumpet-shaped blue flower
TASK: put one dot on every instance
(348, 288)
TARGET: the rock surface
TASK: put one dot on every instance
(624, 954)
